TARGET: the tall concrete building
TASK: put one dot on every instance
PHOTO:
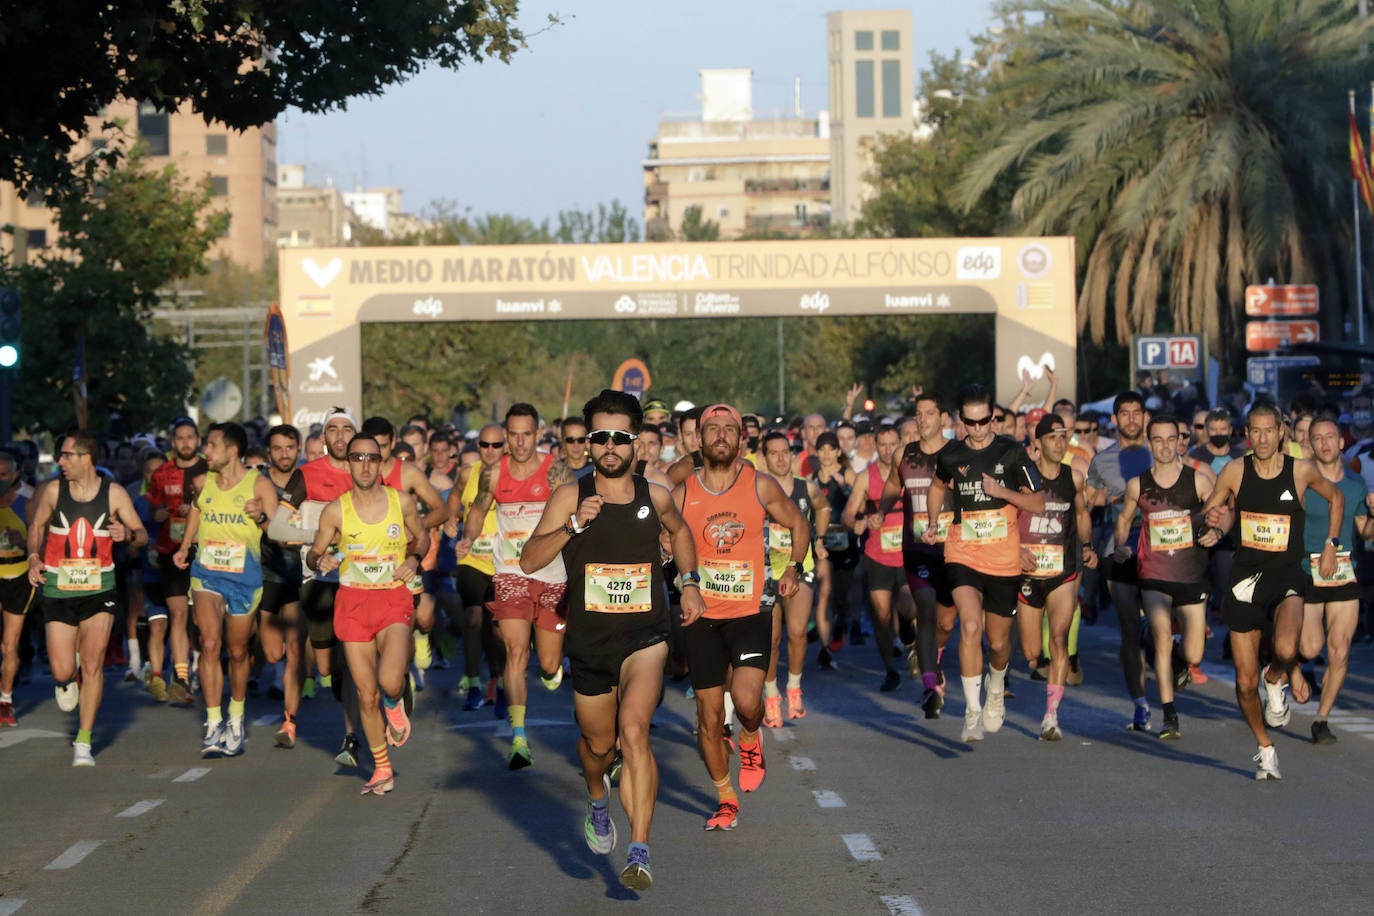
(310, 216)
(240, 167)
(760, 176)
(872, 82)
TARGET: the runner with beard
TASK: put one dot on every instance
(606, 528)
(993, 479)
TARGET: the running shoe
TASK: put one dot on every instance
(68, 696)
(519, 756)
(408, 698)
(424, 655)
(157, 688)
(1170, 731)
(1197, 674)
(212, 743)
(727, 812)
(931, 703)
(1276, 709)
(233, 736)
(617, 763)
(1040, 670)
(1321, 733)
(597, 827)
(551, 681)
(382, 782)
(824, 660)
(1183, 676)
(795, 709)
(973, 726)
(940, 682)
(995, 710)
(348, 752)
(81, 754)
(1049, 728)
(7, 716)
(751, 768)
(772, 711)
(416, 679)
(286, 735)
(397, 724)
(308, 689)
(131, 675)
(891, 681)
(1268, 763)
(913, 664)
(1075, 678)
(180, 691)
(636, 875)
(1140, 722)
(836, 642)
(475, 700)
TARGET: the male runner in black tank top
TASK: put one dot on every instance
(1267, 580)
(1171, 566)
(606, 528)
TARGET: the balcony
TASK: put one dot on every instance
(785, 224)
(786, 185)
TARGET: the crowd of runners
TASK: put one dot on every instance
(632, 544)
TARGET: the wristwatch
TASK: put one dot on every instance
(690, 577)
(800, 568)
(572, 527)
(1334, 542)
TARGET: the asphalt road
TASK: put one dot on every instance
(867, 808)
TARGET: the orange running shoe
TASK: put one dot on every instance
(397, 724)
(286, 735)
(772, 712)
(795, 709)
(727, 813)
(382, 782)
(1199, 676)
(751, 768)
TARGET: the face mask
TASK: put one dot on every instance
(668, 453)
(850, 453)
(1219, 441)
(1362, 417)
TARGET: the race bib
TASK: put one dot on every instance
(515, 543)
(223, 556)
(1049, 559)
(919, 524)
(1345, 570)
(610, 588)
(1260, 531)
(986, 527)
(369, 571)
(1170, 532)
(484, 547)
(77, 575)
(176, 530)
(890, 539)
(779, 537)
(727, 580)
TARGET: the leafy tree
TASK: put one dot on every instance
(241, 63)
(1191, 146)
(695, 228)
(605, 224)
(134, 231)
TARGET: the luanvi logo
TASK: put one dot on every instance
(322, 275)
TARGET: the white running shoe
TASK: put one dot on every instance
(212, 744)
(68, 696)
(995, 709)
(81, 754)
(1049, 729)
(973, 726)
(233, 736)
(1276, 709)
(1268, 761)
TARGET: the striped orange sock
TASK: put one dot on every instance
(725, 790)
(380, 758)
(183, 670)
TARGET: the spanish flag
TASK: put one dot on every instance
(1359, 165)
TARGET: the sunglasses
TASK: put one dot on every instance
(571, 439)
(365, 457)
(260, 468)
(983, 422)
(1199, 426)
(1085, 430)
(999, 418)
(492, 444)
(611, 437)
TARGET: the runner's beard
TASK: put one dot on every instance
(708, 456)
(619, 471)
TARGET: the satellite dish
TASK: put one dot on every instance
(222, 400)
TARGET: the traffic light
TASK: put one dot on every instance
(10, 325)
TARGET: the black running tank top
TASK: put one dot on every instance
(1269, 517)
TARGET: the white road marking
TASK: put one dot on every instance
(802, 763)
(264, 721)
(12, 736)
(781, 734)
(72, 856)
(9, 905)
(192, 774)
(1356, 726)
(861, 847)
(901, 906)
(502, 727)
(827, 799)
(142, 807)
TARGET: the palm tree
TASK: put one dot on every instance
(1192, 147)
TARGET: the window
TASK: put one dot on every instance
(722, 212)
(863, 88)
(892, 88)
(892, 41)
(863, 41)
(153, 129)
(216, 144)
(219, 185)
(801, 213)
(38, 238)
(36, 200)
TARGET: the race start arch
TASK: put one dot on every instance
(326, 294)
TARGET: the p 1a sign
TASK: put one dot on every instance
(1181, 355)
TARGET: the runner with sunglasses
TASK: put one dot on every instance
(992, 479)
(473, 580)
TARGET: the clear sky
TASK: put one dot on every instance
(568, 121)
